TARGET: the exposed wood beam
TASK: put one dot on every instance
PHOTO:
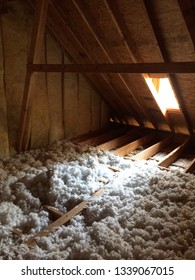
(120, 22)
(34, 57)
(53, 211)
(152, 150)
(119, 140)
(91, 24)
(62, 219)
(156, 29)
(142, 68)
(106, 79)
(74, 49)
(103, 137)
(124, 150)
(191, 167)
(175, 154)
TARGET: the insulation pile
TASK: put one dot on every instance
(144, 212)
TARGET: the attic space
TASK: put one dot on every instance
(92, 164)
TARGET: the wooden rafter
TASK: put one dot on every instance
(108, 85)
(75, 49)
(167, 67)
(120, 22)
(34, 57)
(91, 24)
(124, 150)
(173, 80)
(175, 154)
(152, 150)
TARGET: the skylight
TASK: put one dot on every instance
(163, 93)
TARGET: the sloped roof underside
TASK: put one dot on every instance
(128, 31)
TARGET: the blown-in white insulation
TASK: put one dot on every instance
(144, 213)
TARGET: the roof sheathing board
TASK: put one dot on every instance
(137, 21)
(179, 47)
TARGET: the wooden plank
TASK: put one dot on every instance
(115, 169)
(34, 57)
(190, 168)
(124, 150)
(120, 22)
(157, 67)
(121, 140)
(109, 56)
(103, 137)
(17, 232)
(77, 50)
(54, 211)
(175, 154)
(63, 219)
(152, 150)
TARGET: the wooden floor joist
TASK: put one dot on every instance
(152, 150)
(97, 140)
(121, 140)
(191, 167)
(63, 219)
(54, 211)
(175, 154)
(124, 150)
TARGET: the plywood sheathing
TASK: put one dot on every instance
(113, 42)
(107, 83)
(179, 47)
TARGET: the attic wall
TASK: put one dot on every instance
(64, 105)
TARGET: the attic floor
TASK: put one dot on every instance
(116, 139)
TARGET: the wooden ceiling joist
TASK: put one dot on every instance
(119, 140)
(124, 150)
(63, 219)
(152, 150)
(141, 68)
(156, 29)
(175, 154)
(37, 37)
(96, 140)
(191, 167)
